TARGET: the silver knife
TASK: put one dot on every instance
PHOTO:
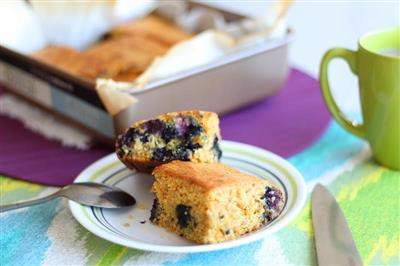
(333, 239)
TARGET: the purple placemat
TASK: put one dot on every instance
(285, 124)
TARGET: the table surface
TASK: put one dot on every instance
(368, 194)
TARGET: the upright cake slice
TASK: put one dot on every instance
(210, 203)
(187, 136)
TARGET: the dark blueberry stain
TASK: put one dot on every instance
(193, 131)
(143, 222)
(153, 126)
(267, 216)
(163, 155)
(155, 210)
(120, 153)
(181, 153)
(184, 129)
(182, 124)
(216, 148)
(185, 150)
(144, 138)
(159, 154)
(128, 137)
(193, 146)
(271, 197)
(169, 133)
(168, 155)
(227, 232)
(183, 215)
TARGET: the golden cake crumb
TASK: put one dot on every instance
(187, 136)
(210, 203)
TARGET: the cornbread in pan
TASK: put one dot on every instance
(56, 54)
(210, 203)
(187, 136)
(123, 55)
(153, 27)
(126, 54)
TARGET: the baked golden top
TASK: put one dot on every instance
(196, 114)
(122, 55)
(208, 176)
(153, 27)
(56, 54)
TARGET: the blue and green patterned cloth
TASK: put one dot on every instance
(368, 194)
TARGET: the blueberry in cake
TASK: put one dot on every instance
(210, 203)
(187, 136)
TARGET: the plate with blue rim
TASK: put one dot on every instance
(131, 227)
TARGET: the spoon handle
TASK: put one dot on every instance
(9, 207)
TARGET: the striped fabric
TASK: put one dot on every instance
(368, 194)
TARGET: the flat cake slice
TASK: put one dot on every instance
(187, 136)
(210, 203)
(153, 27)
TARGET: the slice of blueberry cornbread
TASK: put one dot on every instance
(187, 136)
(210, 203)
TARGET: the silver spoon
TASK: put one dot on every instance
(86, 193)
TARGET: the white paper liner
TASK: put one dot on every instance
(200, 50)
(115, 100)
(29, 27)
(20, 29)
(80, 23)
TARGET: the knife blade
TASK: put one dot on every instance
(333, 239)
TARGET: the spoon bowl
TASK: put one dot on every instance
(97, 195)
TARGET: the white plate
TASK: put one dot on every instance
(124, 227)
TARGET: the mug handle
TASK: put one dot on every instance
(350, 57)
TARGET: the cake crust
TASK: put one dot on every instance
(153, 27)
(203, 175)
(123, 54)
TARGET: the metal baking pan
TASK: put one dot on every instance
(222, 86)
(234, 81)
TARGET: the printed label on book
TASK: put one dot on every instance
(20, 81)
(50, 96)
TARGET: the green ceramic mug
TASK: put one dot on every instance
(377, 65)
